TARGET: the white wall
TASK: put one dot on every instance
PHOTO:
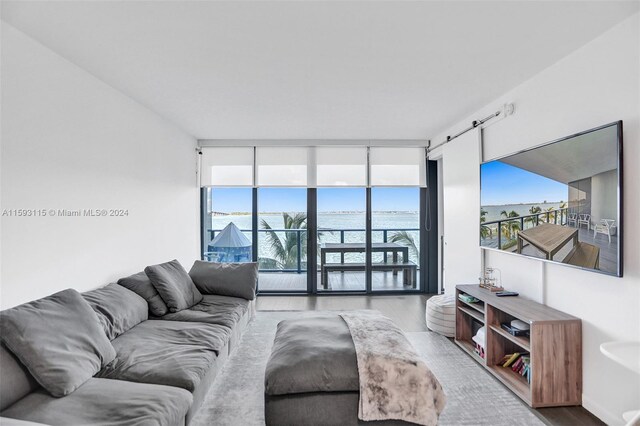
(461, 260)
(596, 84)
(69, 141)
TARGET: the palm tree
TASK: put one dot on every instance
(552, 210)
(485, 231)
(532, 219)
(405, 238)
(285, 251)
(511, 227)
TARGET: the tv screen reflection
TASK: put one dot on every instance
(559, 201)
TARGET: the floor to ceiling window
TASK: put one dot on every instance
(330, 219)
(228, 226)
(395, 239)
(281, 178)
(341, 239)
(282, 239)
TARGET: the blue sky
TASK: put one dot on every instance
(329, 199)
(506, 184)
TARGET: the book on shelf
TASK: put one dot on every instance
(520, 363)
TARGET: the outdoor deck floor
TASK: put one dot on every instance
(338, 281)
(608, 251)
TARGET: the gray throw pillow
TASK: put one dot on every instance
(58, 339)
(141, 285)
(174, 285)
(118, 309)
(226, 279)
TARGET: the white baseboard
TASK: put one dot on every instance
(600, 412)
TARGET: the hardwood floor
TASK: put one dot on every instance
(408, 311)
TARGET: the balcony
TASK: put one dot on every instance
(502, 234)
(286, 270)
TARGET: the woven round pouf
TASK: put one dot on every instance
(441, 314)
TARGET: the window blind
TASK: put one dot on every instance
(323, 166)
(281, 166)
(341, 166)
(226, 166)
(398, 166)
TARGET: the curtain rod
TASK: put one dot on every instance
(474, 124)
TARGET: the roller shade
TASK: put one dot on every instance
(226, 166)
(341, 166)
(281, 166)
(398, 166)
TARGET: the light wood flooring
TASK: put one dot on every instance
(408, 311)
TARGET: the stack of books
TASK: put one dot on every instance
(519, 363)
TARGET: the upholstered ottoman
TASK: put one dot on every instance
(312, 376)
(441, 314)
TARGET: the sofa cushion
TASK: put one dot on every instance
(118, 309)
(221, 310)
(166, 353)
(174, 285)
(59, 339)
(15, 380)
(106, 402)
(141, 285)
(226, 279)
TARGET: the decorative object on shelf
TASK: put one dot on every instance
(479, 339)
(441, 314)
(468, 299)
(520, 325)
(513, 330)
(490, 280)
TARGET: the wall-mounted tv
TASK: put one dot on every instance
(560, 201)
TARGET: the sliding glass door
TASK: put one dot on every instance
(341, 218)
(395, 239)
(282, 239)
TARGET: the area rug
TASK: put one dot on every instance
(474, 397)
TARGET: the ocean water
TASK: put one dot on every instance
(333, 221)
(493, 212)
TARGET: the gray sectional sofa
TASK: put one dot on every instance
(56, 367)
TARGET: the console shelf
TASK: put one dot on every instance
(554, 345)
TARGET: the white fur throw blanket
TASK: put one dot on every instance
(395, 383)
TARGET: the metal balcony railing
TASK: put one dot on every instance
(557, 216)
(301, 251)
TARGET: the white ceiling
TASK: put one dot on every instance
(338, 70)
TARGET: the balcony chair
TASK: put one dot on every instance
(606, 226)
(572, 218)
(584, 219)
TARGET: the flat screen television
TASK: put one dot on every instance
(559, 202)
